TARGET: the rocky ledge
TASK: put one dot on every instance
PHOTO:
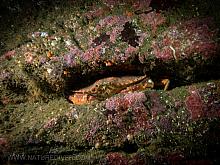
(88, 47)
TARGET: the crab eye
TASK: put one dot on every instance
(96, 87)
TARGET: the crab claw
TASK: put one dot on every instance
(81, 98)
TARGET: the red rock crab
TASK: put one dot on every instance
(109, 86)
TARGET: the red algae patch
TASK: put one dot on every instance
(127, 106)
(194, 104)
(203, 101)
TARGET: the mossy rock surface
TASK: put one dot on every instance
(72, 46)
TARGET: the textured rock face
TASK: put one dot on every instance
(97, 58)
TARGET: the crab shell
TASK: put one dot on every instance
(110, 86)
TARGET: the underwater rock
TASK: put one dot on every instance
(122, 122)
(149, 125)
(177, 53)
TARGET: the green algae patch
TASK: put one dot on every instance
(28, 119)
(83, 132)
(73, 46)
